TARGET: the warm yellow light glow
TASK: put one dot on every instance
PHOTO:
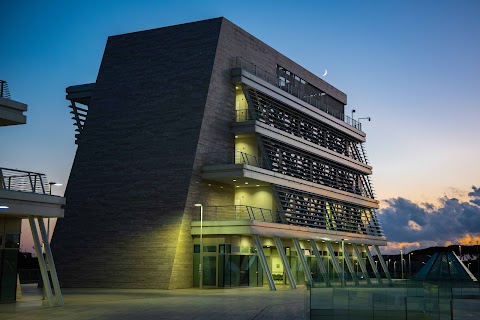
(246, 182)
(258, 185)
(236, 87)
(234, 180)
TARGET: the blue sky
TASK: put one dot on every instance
(412, 66)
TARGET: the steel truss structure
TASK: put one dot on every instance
(279, 115)
(316, 211)
(301, 164)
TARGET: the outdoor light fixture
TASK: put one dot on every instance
(368, 118)
(353, 111)
(200, 271)
(54, 184)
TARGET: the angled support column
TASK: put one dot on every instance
(51, 264)
(363, 267)
(382, 262)
(264, 262)
(286, 265)
(374, 266)
(303, 260)
(41, 262)
(335, 263)
(323, 270)
(350, 266)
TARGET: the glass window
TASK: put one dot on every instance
(209, 248)
(12, 241)
(196, 248)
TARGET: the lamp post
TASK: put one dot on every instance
(401, 261)
(460, 251)
(368, 118)
(353, 111)
(376, 265)
(409, 266)
(200, 270)
(394, 271)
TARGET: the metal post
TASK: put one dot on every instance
(41, 262)
(343, 263)
(51, 264)
(409, 266)
(401, 261)
(200, 270)
(286, 265)
(263, 261)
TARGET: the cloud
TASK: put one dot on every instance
(452, 221)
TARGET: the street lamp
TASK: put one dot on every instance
(410, 265)
(460, 250)
(353, 111)
(368, 118)
(394, 271)
(200, 271)
(401, 261)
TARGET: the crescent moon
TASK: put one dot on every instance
(325, 73)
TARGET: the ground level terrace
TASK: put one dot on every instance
(256, 253)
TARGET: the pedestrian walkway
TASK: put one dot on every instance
(231, 304)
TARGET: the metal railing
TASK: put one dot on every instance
(241, 212)
(25, 181)
(275, 80)
(4, 90)
(237, 157)
(244, 115)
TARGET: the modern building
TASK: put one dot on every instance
(207, 158)
(24, 195)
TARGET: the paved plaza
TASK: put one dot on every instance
(232, 304)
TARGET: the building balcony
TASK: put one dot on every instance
(238, 212)
(241, 67)
(248, 175)
(25, 193)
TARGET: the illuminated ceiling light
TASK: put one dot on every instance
(4, 207)
(234, 180)
(237, 186)
(209, 184)
(323, 241)
(258, 185)
(336, 241)
(236, 136)
(236, 87)
(246, 182)
(221, 187)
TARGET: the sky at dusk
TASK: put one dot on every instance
(412, 66)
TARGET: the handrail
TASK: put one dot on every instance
(238, 212)
(295, 91)
(24, 181)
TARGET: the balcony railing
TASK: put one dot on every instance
(24, 181)
(275, 80)
(237, 157)
(228, 213)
